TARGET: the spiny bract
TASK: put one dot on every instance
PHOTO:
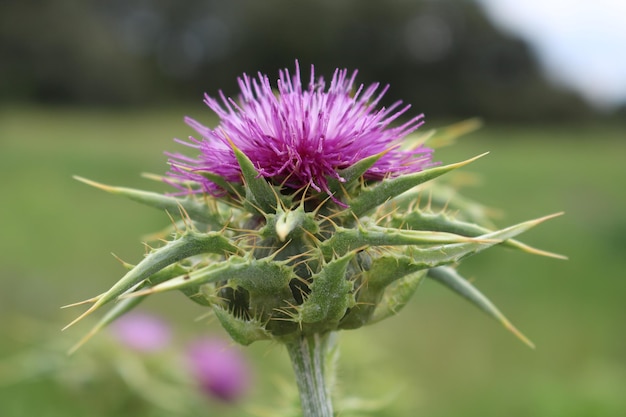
(284, 248)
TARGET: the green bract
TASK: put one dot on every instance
(281, 264)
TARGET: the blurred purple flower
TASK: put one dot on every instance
(300, 136)
(142, 332)
(219, 368)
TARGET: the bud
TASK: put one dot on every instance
(304, 213)
(142, 332)
(220, 370)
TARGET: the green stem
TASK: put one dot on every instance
(308, 357)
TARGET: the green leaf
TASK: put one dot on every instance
(212, 273)
(382, 273)
(189, 244)
(259, 193)
(446, 197)
(376, 195)
(431, 256)
(124, 306)
(353, 173)
(396, 296)
(387, 269)
(118, 310)
(345, 240)
(331, 293)
(196, 209)
(242, 331)
(236, 188)
(440, 222)
(455, 282)
(263, 279)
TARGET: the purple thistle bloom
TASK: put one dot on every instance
(220, 369)
(300, 136)
(142, 332)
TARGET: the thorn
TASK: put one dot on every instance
(80, 303)
(83, 340)
(549, 216)
(264, 214)
(509, 326)
(534, 251)
(174, 225)
(95, 184)
(469, 161)
(138, 293)
(209, 316)
(330, 220)
(91, 309)
(320, 205)
(153, 177)
(125, 264)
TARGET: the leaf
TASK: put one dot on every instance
(124, 306)
(259, 192)
(353, 173)
(383, 276)
(196, 209)
(241, 330)
(330, 293)
(236, 188)
(345, 240)
(189, 244)
(262, 278)
(376, 195)
(266, 281)
(455, 282)
(431, 256)
(439, 222)
(396, 296)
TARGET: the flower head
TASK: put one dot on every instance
(142, 332)
(300, 136)
(219, 369)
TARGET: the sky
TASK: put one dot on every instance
(580, 44)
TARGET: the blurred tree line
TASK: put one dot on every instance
(444, 57)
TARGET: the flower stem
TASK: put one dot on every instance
(308, 357)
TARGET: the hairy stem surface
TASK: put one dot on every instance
(308, 356)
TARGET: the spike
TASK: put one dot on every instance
(258, 191)
(330, 294)
(189, 244)
(439, 222)
(192, 206)
(354, 172)
(451, 279)
(374, 196)
(118, 310)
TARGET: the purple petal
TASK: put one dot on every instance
(301, 137)
(219, 368)
(142, 332)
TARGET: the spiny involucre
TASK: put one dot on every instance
(301, 214)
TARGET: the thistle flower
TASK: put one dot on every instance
(220, 369)
(142, 332)
(301, 135)
(259, 242)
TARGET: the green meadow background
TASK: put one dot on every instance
(440, 357)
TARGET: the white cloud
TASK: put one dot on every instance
(581, 44)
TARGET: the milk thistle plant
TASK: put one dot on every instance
(307, 210)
